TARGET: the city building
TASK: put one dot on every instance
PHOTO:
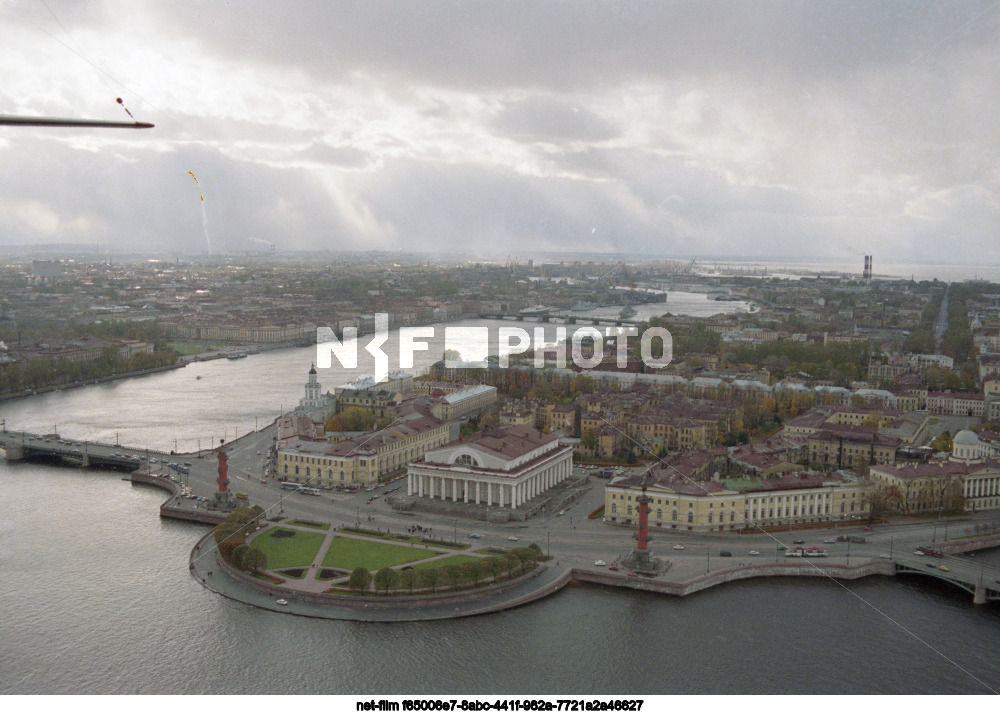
(315, 403)
(363, 459)
(502, 467)
(682, 503)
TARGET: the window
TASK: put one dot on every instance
(690, 517)
(675, 515)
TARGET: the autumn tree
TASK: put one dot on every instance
(359, 580)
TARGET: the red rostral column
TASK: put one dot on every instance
(223, 472)
(643, 534)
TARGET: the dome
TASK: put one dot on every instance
(965, 437)
(312, 369)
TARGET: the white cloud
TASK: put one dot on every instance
(731, 127)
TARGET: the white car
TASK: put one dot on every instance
(282, 602)
(511, 538)
(678, 547)
(599, 562)
(755, 553)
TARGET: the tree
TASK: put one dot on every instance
(513, 563)
(227, 546)
(359, 580)
(473, 570)
(453, 573)
(496, 566)
(432, 577)
(254, 560)
(386, 578)
(942, 443)
(353, 419)
(238, 555)
(407, 578)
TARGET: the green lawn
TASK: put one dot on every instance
(447, 561)
(298, 550)
(347, 553)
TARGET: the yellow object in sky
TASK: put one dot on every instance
(199, 185)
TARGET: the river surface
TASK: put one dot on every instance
(95, 594)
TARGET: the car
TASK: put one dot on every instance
(755, 553)
(868, 528)
(799, 541)
(678, 547)
(511, 538)
(725, 553)
(931, 566)
(829, 541)
(885, 556)
(600, 562)
(612, 568)
(944, 568)
(282, 602)
(475, 536)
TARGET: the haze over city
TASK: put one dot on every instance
(825, 130)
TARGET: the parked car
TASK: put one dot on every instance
(678, 547)
(755, 553)
(475, 536)
(600, 562)
(511, 538)
(725, 553)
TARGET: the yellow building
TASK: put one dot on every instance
(849, 447)
(683, 504)
(360, 460)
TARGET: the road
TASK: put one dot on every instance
(569, 537)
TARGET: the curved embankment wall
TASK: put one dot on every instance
(416, 601)
(174, 512)
(974, 543)
(734, 573)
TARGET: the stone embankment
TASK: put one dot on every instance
(881, 567)
(170, 509)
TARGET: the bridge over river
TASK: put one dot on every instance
(51, 448)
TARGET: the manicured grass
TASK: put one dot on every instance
(298, 550)
(491, 551)
(447, 561)
(346, 553)
(310, 524)
(404, 538)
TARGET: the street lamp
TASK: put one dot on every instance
(548, 544)
(454, 523)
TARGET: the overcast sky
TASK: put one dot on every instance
(810, 129)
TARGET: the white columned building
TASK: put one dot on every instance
(504, 467)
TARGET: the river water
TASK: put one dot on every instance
(96, 597)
